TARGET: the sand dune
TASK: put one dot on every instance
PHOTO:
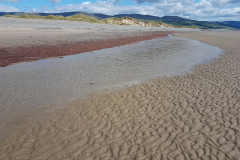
(195, 116)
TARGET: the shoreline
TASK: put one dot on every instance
(27, 53)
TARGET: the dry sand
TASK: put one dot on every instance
(13, 37)
(195, 116)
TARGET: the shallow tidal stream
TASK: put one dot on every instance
(25, 87)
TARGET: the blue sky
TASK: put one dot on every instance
(212, 10)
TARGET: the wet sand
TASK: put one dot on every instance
(195, 116)
(31, 44)
(35, 85)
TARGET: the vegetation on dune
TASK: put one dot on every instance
(182, 26)
(158, 24)
(82, 17)
(8, 15)
(148, 20)
(77, 17)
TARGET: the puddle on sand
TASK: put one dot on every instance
(29, 86)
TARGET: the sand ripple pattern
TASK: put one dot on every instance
(195, 116)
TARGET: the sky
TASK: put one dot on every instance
(209, 10)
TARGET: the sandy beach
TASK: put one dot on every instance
(193, 116)
(28, 44)
(23, 39)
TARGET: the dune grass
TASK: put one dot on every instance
(82, 17)
(120, 21)
(77, 17)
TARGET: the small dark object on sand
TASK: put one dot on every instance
(91, 83)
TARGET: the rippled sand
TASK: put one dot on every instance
(195, 116)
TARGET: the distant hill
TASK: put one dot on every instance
(232, 23)
(173, 20)
(183, 22)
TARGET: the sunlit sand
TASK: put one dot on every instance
(193, 116)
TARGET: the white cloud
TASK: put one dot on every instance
(203, 4)
(86, 3)
(12, 1)
(219, 3)
(173, 8)
(4, 8)
(183, 2)
(234, 1)
(104, 7)
(55, 1)
(228, 12)
(204, 10)
(223, 3)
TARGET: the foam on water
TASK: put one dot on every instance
(28, 86)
